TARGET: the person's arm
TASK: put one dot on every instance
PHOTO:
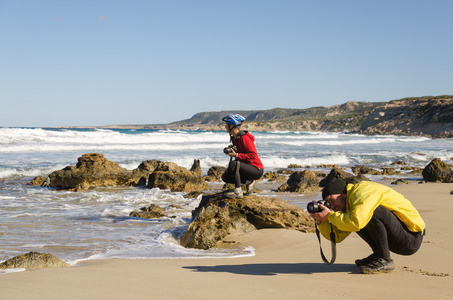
(362, 202)
(325, 227)
(250, 153)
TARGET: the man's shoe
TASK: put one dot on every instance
(236, 193)
(250, 186)
(365, 261)
(379, 265)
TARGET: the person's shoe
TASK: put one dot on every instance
(250, 186)
(365, 261)
(236, 193)
(379, 265)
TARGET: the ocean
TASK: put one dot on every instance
(95, 224)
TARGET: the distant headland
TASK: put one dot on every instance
(419, 116)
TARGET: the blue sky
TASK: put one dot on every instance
(88, 63)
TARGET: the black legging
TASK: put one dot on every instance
(239, 172)
(385, 233)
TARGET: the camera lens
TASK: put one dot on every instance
(313, 208)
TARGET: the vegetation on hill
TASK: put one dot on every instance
(429, 116)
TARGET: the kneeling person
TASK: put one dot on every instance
(245, 165)
(382, 217)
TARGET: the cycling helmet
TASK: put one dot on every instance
(234, 119)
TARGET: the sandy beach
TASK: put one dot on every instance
(287, 265)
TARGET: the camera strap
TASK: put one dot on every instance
(332, 244)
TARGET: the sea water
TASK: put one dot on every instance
(95, 224)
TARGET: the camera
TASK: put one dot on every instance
(313, 207)
(230, 149)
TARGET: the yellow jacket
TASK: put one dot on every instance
(362, 199)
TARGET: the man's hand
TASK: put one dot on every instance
(322, 215)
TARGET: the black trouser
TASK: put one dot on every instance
(239, 172)
(385, 233)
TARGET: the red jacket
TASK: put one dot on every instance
(246, 149)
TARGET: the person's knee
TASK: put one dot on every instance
(226, 177)
(381, 212)
(232, 166)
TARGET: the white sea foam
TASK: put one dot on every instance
(40, 140)
(29, 172)
(334, 142)
(278, 162)
(7, 271)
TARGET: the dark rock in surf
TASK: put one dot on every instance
(152, 212)
(39, 181)
(91, 170)
(94, 170)
(33, 260)
(169, 175)
(437, 171)
(215, 173)
(337, 173)
(300, 182)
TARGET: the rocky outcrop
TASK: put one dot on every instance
(399, 182)
(196, 168)
(337, 173)
(300, 182)
(154, 211)
(168, 175)
(437, 171)
(94, 170)
(215, 173)
(360, 169)
(139, 176)
(33, 260)
(91, 170)
(274, 176)
(178, 179)
(390, 171)
(218, 216)
(39, 181)
(431, 116)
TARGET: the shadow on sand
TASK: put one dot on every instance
(274, 269)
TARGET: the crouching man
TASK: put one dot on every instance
(382, 217)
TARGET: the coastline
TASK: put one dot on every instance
(287, 265)
(269, 126)
(428, 116)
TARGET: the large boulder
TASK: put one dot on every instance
(91, 170)
(140, 175)
(33, 260)
(437, 171)
(94, 170)
(274, 176)
(360, 169)
(300, 182)
(169, 175)
(218, 216)
(338, 173)
(390, 171)
(215, 173)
